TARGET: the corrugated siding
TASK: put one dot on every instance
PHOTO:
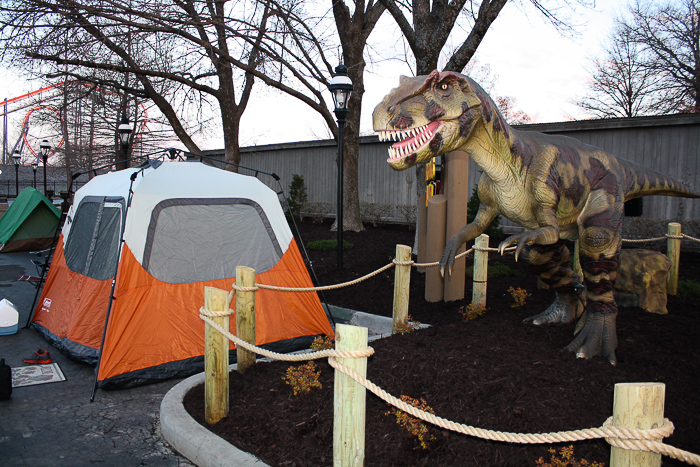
(667, 144)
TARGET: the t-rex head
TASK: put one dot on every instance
(431, 115)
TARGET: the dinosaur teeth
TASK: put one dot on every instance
(409, 140)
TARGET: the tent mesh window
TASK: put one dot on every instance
(196, 240)
(93, 241)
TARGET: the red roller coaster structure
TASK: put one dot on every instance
(33, 106)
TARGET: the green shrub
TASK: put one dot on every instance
(689, 290)
(327, 245)
(297, 195)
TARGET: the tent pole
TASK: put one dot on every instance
(114, 283)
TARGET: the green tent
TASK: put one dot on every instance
(29, 223)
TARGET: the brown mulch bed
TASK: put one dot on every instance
(494, 372)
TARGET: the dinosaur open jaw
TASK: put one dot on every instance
(410, 140)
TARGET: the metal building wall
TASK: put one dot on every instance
(668, 144)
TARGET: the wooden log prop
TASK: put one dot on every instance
(456, 189)
(349, 400)
(434, 284)
(641, 406)
(216, 345)
(245, 317)
(402, 283)
(421, 232)
(673, 250)
(481, 271)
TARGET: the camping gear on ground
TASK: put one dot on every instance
(36, 374)
(9, 318)
(185, 225)
(38, 357)
(29, 223)
(5, 380)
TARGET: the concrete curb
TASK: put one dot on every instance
(191, 439)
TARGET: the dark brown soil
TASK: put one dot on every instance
(494, 372)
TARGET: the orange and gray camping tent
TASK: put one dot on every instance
(186, 225)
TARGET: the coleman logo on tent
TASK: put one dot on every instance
(46, 305)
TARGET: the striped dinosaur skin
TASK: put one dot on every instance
(556, 187)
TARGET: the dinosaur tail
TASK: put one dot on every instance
(645, 182)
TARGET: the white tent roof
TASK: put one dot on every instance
(200, 191)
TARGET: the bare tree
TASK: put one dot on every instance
(142, 48)
(507, 105)
(204, 48)
(621, 84)
(354, 30)
(670, 34)
(427, 26)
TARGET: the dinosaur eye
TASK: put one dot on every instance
(443, 90)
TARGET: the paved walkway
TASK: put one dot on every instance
(56, 424)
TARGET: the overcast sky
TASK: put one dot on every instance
(543, 70)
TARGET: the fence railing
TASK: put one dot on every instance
(634, 430)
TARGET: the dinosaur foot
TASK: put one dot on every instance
(597, 336)
(564, 310)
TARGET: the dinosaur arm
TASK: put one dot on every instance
(484, 217)
(547, 234)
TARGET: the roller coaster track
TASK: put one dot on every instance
(41, 95)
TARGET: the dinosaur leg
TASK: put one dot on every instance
(600, 260)
(551, 265)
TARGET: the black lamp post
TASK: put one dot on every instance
(16, 158)
(45, 148)
(124, 131)
(34, 170)
(341, 88)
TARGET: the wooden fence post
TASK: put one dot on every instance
(637, 405)
(673, 251)
(481, 267)
(245, 317)
(402, 284)
(349, 400)
(216, 345)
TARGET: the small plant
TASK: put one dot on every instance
(689, 290)
(297, 195)
(408, 326)
(471, 311)
(408, 214)
(318, 211)
(303, 378)
(413, 425)
(375, 213)
(565, 459)
(327, 245)
(519, 295)
(322, 343)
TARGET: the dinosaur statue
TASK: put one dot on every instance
(556, 187)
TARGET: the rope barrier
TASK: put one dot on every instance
(237, 288)
(328, 353)
(620, 437)
(312, 289)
